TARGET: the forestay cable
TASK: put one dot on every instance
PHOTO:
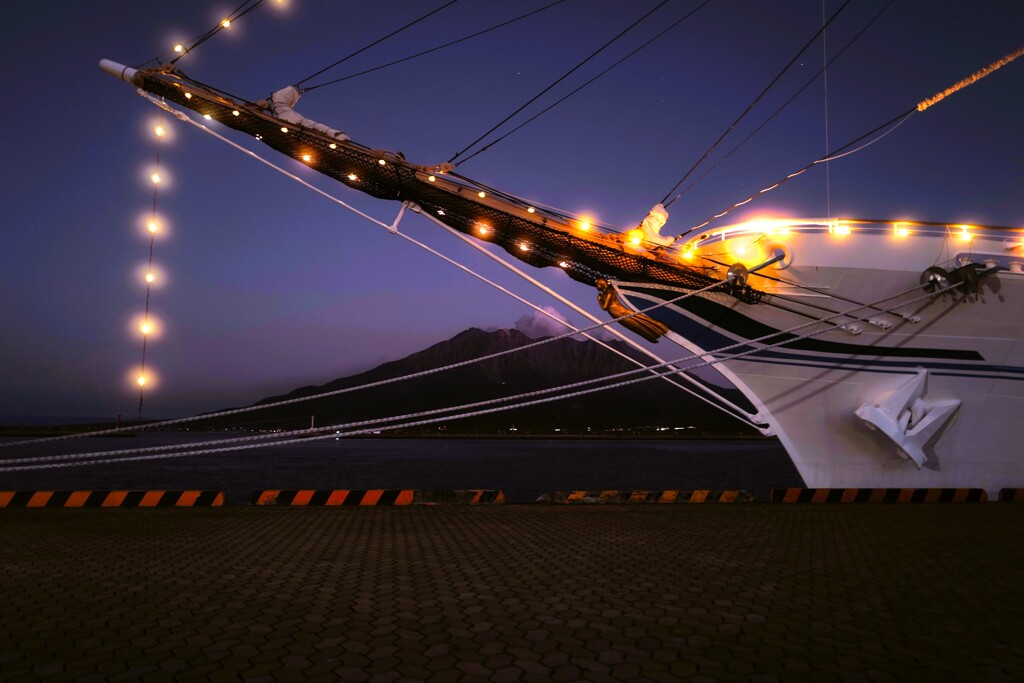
(898, 120)
(439, 47)
(599, 75)
(376, 42)
(785, 104)
(559, 80)
(665, 200)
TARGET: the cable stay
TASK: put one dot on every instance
(559, 80)
(664, 200)
(785, 104)
(437, 48)
(599, 75)
(585, 387)
(376, 42)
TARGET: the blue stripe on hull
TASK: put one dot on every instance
(865, 358)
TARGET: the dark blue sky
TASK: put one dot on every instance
(268, 286)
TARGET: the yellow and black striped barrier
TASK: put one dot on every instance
(110, 499)
(351, 497)
(871, 495)
(1011, 495)
(664, 496)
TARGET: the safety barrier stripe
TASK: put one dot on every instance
(878, 495)
(641, 496)
(93, 499)
(377, 497)
(1011, 495)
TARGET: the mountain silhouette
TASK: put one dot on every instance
(641, 406)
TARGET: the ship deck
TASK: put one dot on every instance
(516, 592)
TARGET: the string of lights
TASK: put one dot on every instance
(147, 325)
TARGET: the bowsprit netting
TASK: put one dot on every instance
(535, 236)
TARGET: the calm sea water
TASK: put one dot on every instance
(524, 469)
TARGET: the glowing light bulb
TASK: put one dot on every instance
(179, 48)
(226, 23)
(899, 231)
(159, 130)
(524, 247)
(382, 162)
(584, 225)
(741, 249)
(141, 379)
(188, 96)
(207, 117)
(440, 212)
(333, 146)
(483, 230)
(688, 255)
(965, 236)
(150, 278)
(234, 112)
(145, 328)
(353, 177)
(284, 129)
(563, 264)
(155, 178)
(152, 226)
(431, 178)
(306, 157)
(531, 210)
(635, 237)
(481, 194)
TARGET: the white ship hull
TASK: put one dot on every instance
(829, 397)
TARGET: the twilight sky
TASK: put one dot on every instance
(265, 286)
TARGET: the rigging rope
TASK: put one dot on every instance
(665, 200)
(439, 47)
(599, 75)
(189, 46)
(835, 155)
(897, 120)
(786, 103)
(237, 14)
(559, 80)
(376, 42)
(68, 460)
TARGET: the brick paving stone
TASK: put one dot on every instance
(754, 593)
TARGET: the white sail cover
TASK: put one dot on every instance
(652, 225)
(281, 103)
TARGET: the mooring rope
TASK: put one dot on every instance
(303, 435)
(391, 228)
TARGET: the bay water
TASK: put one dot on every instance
(524, 468)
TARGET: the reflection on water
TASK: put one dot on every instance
(524, 469)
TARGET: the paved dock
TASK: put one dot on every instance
(752, 592)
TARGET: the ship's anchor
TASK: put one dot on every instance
(964, 280)
(907, 419)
